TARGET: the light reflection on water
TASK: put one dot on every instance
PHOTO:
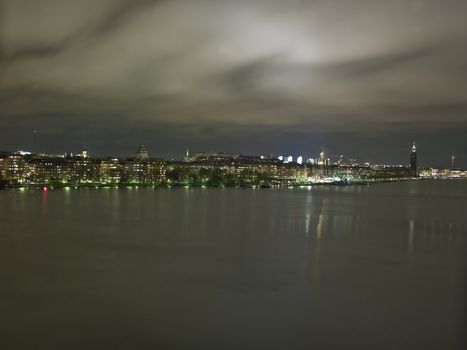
(325, 267)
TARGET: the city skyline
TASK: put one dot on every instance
(214, 169)
(272, 76)
(451, 160)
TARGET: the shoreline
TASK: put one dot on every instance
(47, 187)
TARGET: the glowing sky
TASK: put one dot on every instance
(363, 78)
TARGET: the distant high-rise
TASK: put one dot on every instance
(142, 153)
(322, 157)
(413, 161)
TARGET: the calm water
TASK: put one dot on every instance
(364, 267)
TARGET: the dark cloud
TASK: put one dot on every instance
(122, 12)
(255, 75)
(367, 66)
(116, 16)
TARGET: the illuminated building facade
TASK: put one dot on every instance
(49, 171)
(137, 171)
(14, 168)
(83, 170)
(110, 171)
(3, 162)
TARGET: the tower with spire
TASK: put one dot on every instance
(413, 161)
(322, 157)
(187, 157)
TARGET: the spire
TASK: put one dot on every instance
(413, 162)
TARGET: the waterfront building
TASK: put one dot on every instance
(83, 170)
(290, 173)
(14, 168)
(133, 171)
(156, 172)
(110, 171)
(3, 161)
(137, 171)
(48, 171)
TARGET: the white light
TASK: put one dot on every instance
(300, 160)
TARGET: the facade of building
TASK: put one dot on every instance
(3, 161)
(110, 171)
(146, 172)
(48, 171)
(14, 168)
(83, 170)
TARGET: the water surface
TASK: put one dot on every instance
(358, 267)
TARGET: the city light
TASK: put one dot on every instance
(212, 169)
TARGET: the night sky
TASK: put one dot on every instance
(363, 78)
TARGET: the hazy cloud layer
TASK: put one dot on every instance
(336, 72)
